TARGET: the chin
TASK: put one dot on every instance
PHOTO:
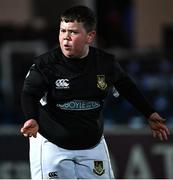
(68, 55)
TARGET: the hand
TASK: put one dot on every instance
(30, 128)
(158, 128)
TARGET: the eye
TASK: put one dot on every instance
(73, 32)
(62, 30)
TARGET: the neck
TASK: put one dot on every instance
(86, 51)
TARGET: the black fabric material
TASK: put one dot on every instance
(75, 129)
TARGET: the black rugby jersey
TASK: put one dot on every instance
(66, 96)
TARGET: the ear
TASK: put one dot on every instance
(91, 36)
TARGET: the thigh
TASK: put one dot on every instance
(94, 163)
(48, 161)
(35, 153)
(57, 162)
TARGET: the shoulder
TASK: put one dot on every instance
(101, 53)
(50, 57)
(102, 57)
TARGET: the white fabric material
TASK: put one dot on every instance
(48, 161)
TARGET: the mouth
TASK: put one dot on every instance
(67, 47)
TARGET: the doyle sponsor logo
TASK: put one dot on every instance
(79, 105)
(62, 84)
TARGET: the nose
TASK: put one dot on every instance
(67, 36)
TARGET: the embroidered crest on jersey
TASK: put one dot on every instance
(101, 83)
(62, 84)
(98, 168)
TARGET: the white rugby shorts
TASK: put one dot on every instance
(48, 161)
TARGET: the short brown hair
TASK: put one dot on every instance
(80, 14)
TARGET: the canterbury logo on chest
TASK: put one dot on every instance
(62, 84)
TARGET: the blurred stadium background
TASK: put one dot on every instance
(138, 32)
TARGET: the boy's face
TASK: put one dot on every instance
(74, 40)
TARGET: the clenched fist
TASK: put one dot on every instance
(30, 128)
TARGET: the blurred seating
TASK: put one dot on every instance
(154, 77)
